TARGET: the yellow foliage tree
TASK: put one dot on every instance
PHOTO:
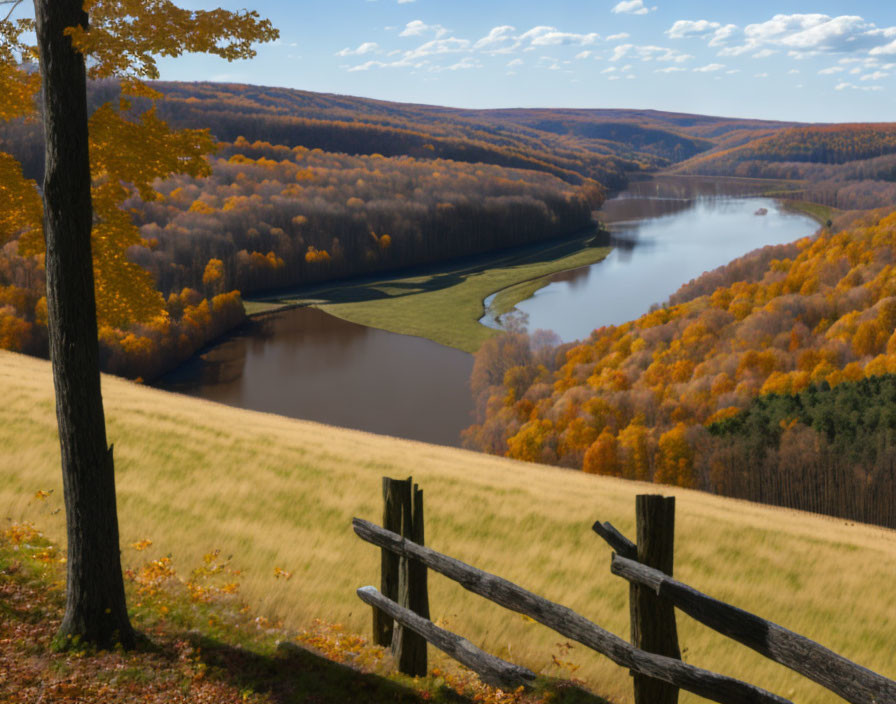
(634, 451)
(86, 234)
(675, 458)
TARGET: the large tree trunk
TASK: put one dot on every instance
(95, 604)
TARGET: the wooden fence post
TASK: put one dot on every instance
(403, 580)
(389, 562)
(408, 647)
(653, 619)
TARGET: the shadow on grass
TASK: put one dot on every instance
(299, 675)
(426, 278)
(295, 674)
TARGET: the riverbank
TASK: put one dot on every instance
(445, 304)
(822, 214)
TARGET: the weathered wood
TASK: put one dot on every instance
(491, 669)
(615, 539)
(408, 647)
(847, 679)
(389, 561)
(653, 619)
(709, 685)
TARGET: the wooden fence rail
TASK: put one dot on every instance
(491, 669)
(712, 686)
(652, 656)
(849, 680)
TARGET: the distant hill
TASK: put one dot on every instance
(599, 144)
(848, 166)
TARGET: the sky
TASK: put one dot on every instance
(813, 61)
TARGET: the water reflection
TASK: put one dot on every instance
(664, 233)
(304, 363)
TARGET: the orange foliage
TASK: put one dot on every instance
(642, 391)
(601, 457)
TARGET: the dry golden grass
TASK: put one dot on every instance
(274, 492)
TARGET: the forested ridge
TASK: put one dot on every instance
(847, 166)
(307, 187)
(635, 400)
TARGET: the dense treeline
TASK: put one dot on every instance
(844, 166)
(278, 217)
(633, 400)
(828, 450)
(272, 217)
(141, 350)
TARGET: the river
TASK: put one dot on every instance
(307, 364)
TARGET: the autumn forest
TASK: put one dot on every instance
(737, 385)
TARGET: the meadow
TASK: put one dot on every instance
(445, 303)
(279, 494)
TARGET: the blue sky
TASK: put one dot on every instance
(818, 61)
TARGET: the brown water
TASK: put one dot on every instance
(304, 363)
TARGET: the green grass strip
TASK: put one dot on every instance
(445, 304)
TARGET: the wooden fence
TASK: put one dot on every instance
(653, 656)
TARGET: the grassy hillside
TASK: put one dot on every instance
(279, 493)
(444, 304)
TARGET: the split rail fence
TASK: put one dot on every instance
(653, 656)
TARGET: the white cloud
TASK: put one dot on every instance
(402, 2)
(800, 55)
(618, 37)
(416, 28)
(764, 53)
(709, 68)
(851, 86)
(760, 75)
(670, 69)
(806, 35)
(610, 69)
(583, 54)
(721, 34)
(832, 69)
(876, 76)
(620, 51)
(735, 50)
(793, 71)
(649, 53)
(886, 49)
(465, 63)
(515, 62)
(451, 45)
(691, 28)
(551, 36)
(365, 48)
(497, 39)
(631, 7)
(367, 66)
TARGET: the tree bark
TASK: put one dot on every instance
(95, 611)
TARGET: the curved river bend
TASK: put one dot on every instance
(307, 364)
